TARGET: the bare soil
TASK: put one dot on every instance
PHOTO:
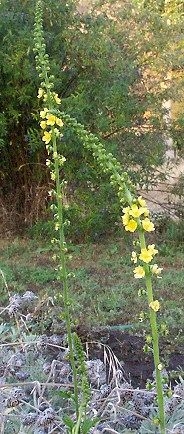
(128, 348)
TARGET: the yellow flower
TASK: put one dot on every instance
(134, 257)
(43, 113)
(51, 119)
(131, 226)
(139, 272)
(155, 305)
(141, 201)
(43, 125)
(126, 210)
(156, 270)
(146, 255)
(40, 93)
(47, 137)
(145, 212)
(56, 98)
(125, 219)
(152, 249)
(135, 211)
(147, 225)
(59, 122)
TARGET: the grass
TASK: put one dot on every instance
(103, 291)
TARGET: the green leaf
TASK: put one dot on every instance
(68, 422)
(65, 394)
(88, 424)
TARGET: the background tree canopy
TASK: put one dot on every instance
(109, 63)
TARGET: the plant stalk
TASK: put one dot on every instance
(155, 342)
(63, 274)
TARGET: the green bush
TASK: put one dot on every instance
(97, 69)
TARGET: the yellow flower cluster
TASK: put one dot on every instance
(54, 96)
(146, 256)
(49, 120)
(137, 215)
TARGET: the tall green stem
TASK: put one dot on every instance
(43, 68)
(63, 273)
(155, 342)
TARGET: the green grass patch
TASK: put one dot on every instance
(103, 291)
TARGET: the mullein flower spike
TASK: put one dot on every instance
(135, 218)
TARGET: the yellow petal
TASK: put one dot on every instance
(146, 255)
(56, 98)
(43, 113)
(40, 92)
(131, 226)
(51, 119)
(135, 211)
(139, 272)
(151, 248)
(155, 305)
(125, 219)
(156, 270)
(43, 125)
(147, 225)
(47, 137)
(59, 122)
(141, 201)
(126, 210)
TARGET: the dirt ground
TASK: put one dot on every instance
(128, 348)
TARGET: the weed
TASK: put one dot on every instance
(136, 215)
(136, 219)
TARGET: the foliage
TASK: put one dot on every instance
(101, 76)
